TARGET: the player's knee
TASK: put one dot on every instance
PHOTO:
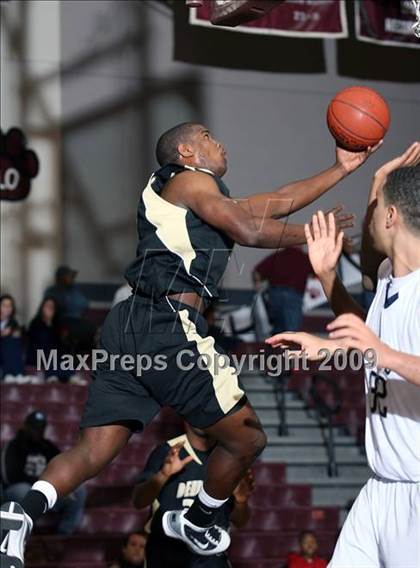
(253, 447)
(254, 437)
(259, 444)
(249, 447)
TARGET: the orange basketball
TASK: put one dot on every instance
(358, 117)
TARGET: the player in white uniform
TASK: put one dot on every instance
(382, 529)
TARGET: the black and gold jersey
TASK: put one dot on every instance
(178, 493)
(177, 251)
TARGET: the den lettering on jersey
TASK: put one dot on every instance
(393, 404)
(178, 493)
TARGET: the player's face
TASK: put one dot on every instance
(209, 153)
(134, 549)
(377, 222)
(309, 545)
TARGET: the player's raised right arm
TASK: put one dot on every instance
(370, 257)
(298, 194)
(200, 193)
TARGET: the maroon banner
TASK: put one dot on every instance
(387, 23)
(298, 18)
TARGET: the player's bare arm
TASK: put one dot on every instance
(349, 332)
(370, 256)
(296, 195)
(198, 191)
(146, 492)
(352, 333)
(324, 250)
(305, 344)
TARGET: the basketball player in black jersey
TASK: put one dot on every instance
(171, 479)
(187, 226)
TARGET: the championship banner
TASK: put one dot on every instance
(387, 23)
(18, 165)
(295, 18)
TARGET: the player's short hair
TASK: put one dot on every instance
(402, 189)
(167, 145)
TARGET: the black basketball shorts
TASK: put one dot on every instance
(159, 354)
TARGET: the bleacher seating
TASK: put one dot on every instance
(259, 548)
(279, 510)
(351, 383)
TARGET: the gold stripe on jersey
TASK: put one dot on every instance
(171, 224)
(225, 380)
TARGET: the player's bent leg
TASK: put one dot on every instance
(240, 439)
(95, 448)
(357, 545)
(204, 389)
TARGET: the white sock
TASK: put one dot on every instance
(48, 491)
(210, 501)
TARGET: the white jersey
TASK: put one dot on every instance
(392, 403)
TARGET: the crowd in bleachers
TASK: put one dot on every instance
(36, 426)
(59, 324)
(278, 509)
(24, 458)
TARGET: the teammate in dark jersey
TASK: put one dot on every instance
(188, 224)
(173, 476)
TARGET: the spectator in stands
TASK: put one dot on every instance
(73, 305)
(228, 343)
(11, 348)
(23, 460)
(44, 335)
(172, 477)
(306, 558)
(132, 552)
(286, 272)
(71, 301)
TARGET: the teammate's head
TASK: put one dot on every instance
(133, 548)
(191, 144)
(308, 544)
(396, 210)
